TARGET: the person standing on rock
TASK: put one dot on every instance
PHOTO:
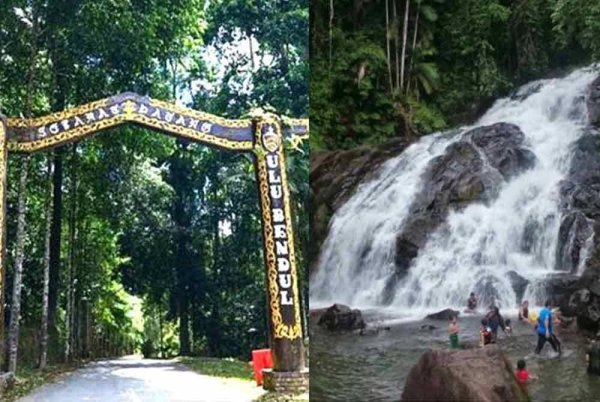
(453, 330)
(545, 330)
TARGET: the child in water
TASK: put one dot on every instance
(485, 333)
(453, 331)
(523, 376)
(507, 327)
(593, 357)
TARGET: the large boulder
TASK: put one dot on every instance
(578, 249)
(443, 315)
(341, 318)
(334, 175)
(519, 284)
(480, 374)
(470, 170)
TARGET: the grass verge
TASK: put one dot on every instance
(27, 379)
(227, 368)
(276, 397)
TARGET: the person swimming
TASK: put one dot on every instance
(507, 327)
(485, 333)
(523, 375)
(453, 330)
(472, 302)
(524, 311)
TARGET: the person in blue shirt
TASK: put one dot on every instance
(545, 330)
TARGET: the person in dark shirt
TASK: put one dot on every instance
(593, 357)
(472, 302)
(495, 320)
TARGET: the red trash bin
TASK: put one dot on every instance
(261, 359)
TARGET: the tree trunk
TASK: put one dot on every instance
(251, 52)
(15, 311)
(387, 44)
(160, 327)
(55, 238)
(70, 325)
(412, 52)
(404, 39)
(44, 330)
(396, 45)
(331, 12)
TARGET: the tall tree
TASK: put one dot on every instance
(15, 313)
(46, 288)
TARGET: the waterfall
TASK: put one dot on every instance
(480, 246)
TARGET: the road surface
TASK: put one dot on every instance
(133, 379)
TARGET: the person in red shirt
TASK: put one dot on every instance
(523, 376)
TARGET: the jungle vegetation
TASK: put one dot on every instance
(144, 240)
(387, 68)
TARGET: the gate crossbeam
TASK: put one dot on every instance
(265, 135)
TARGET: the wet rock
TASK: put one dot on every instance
(372, 330)
(593, 103)
(573, 234)
(560, 287)
(334, 175)
(518, 283)
(428, 327)
(526, 91)
(341, 318)
(585, 305)
(443, 315)
(480, 374)
(470, 170)
(502, 144)
(578, 249)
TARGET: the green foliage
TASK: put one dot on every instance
(459, 57)
(225, 368)
(426, 118)
(577, 23)
(174, 224)
(27, 379)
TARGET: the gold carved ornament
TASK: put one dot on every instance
(129, 115)
(281, 329)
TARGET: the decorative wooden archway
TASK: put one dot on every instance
(263, 136)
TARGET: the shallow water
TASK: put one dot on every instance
(350, 367)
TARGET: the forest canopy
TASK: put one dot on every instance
(385, 68)
(143, 224)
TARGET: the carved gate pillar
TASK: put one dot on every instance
(285, 327)
(3, 172)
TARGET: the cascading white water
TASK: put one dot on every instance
(483, 244)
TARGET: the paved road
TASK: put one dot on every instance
(133, 379)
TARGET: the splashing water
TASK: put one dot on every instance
(481, 244)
